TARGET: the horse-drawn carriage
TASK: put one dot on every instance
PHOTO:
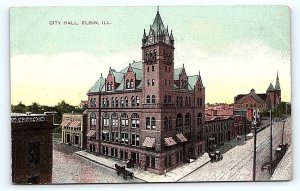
(215, 156)
(122, 170)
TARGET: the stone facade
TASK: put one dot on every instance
(31, 148)
(149, 112)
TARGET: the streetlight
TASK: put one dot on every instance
(271, 136)
(282, 132)
(254, 153)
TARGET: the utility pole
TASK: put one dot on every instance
(282, 132)
(254, 152)
(271, 136)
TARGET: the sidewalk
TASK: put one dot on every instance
(171, 176)
(283, 170)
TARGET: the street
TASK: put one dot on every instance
(70, 168)
(237, 163)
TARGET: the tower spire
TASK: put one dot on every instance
(158, 9)
(277, 85)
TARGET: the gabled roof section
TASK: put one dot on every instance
(177, 71)
(192, 81)
(253, 95)
(97, 87)
(118, 76)
(136, 68)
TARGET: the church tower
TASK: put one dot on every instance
(277, 91)
(158, 62)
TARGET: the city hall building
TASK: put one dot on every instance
(149, 112)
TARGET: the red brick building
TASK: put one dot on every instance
(149, 111)
(31, 136)
(253, 104)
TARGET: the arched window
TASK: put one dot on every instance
(169, 99)
(126, 101)
(135, 120)
(133, 101)
(179, 119)
(124, 120)
(153, 123)
(148, 99)
(170, 123)
(181, 101)
(131, 83)
(148, 69)
(137, 101)
(166, 123)
(186, 101)
(93, 120)
(127, 84)
(114, 119)
(190, 101)
(177, 101)
(117, 102)
(105, 119)
(122, 102)
(108, 86)
(153, 99)
(112, 102)
(187, 121)
(148, 123)
(166, 99)
(152, 68)
(107, 102)
(152, 82)
(199, 119)
(103, 102)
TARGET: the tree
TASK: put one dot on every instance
(20, 108)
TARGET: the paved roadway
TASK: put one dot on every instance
(70, 168)
(237, 163)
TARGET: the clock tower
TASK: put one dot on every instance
(158, 62)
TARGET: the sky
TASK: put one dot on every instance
(235, 48)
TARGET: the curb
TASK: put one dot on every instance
(193, 171)
(103, 164)
(138, 177)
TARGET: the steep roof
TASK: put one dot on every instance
(277, 85)
(97, 87)
(158, 24)
(177, 71)
(270, 88)
(192, 81)
(251, 94)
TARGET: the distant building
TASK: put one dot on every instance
(74, 129)
(224, 112)
(218, 131)
(83, 104)
(31, 136)
(149, 111)
(252, 104)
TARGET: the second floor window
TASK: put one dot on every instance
(124, 120)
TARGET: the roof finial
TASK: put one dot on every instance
(158, 9)
(101, 75)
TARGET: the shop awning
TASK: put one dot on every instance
(65, 123)
(75, 124)
(169, 141)
(149, 142)
(91, 133)
(181, 137)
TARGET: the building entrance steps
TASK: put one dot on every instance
(171, 176)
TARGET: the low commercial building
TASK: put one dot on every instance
(31, 136)
(74, 129)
